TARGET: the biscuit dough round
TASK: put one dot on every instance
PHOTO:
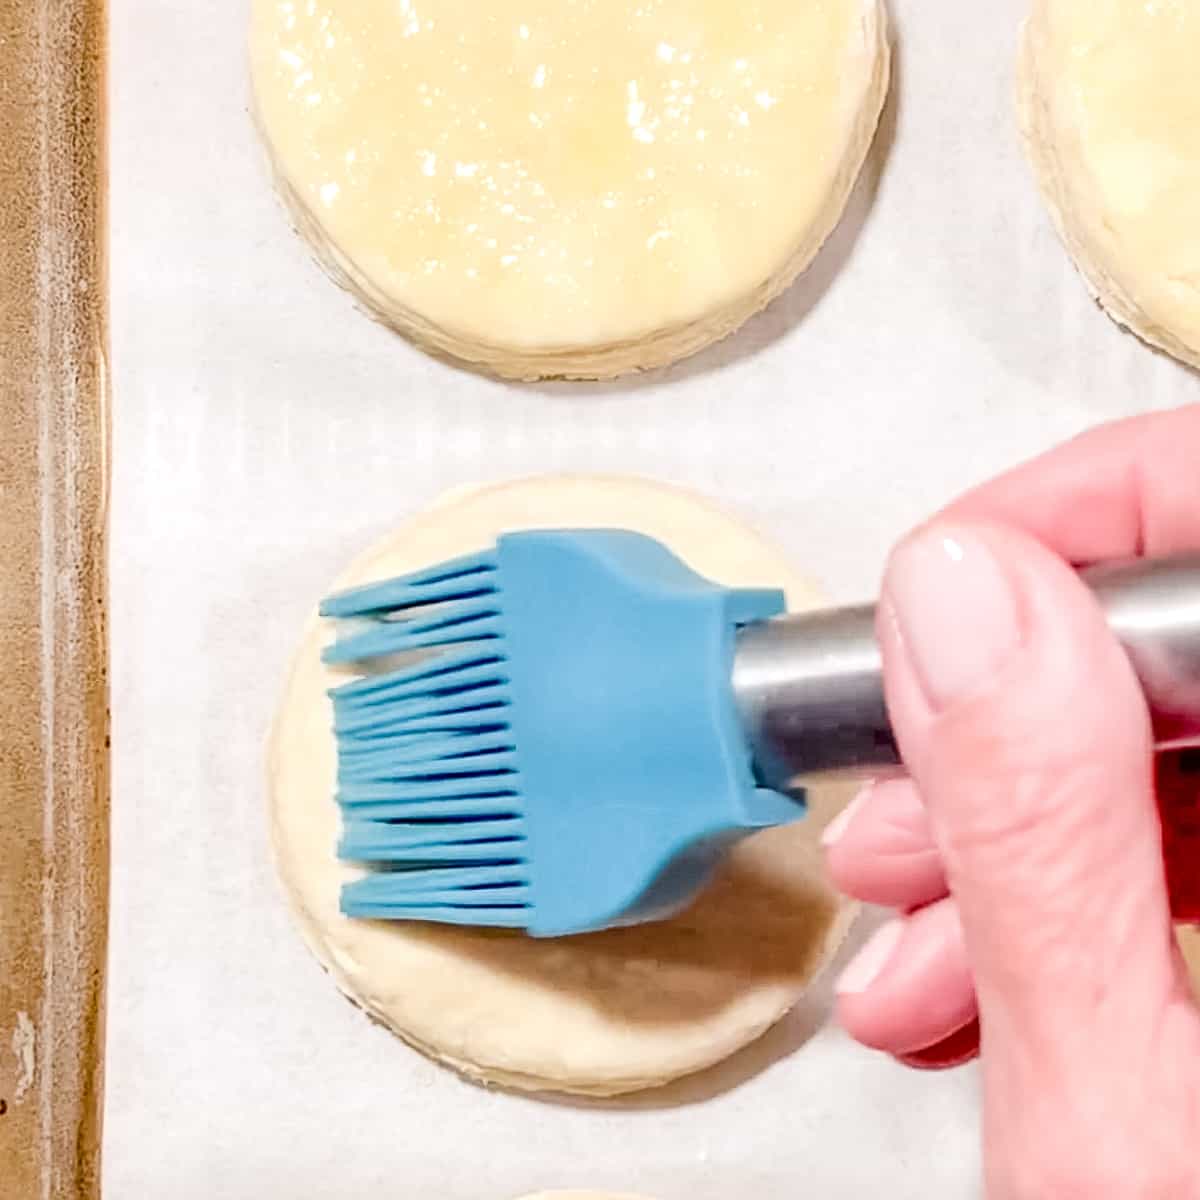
(568, 188)
(601, 1014)
(1110, 107)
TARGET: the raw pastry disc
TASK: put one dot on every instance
(1110, 103)
(601, 1014)
(574, 188)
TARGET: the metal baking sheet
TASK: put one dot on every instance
(265, 431)
(53, 638)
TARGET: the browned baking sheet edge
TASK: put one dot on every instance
(53, 639)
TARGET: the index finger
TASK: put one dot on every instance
(1128, 489)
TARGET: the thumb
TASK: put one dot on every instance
(1024, 727)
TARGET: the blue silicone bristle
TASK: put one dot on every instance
(543, 736)
(426, 762)
(455, 603)
(459, 579)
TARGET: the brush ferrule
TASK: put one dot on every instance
(809, 688)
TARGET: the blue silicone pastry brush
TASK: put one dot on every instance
(566, 732)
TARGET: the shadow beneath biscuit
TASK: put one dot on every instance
(789, 1035)
(750, 928)
(768, 921)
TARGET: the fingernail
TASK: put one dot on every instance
(868, 964)
(955, 611)
(836, 828)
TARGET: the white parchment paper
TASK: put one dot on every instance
(265, 431)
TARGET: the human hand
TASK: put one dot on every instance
(1025, 850)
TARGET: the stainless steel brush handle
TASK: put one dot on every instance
(810, 687)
